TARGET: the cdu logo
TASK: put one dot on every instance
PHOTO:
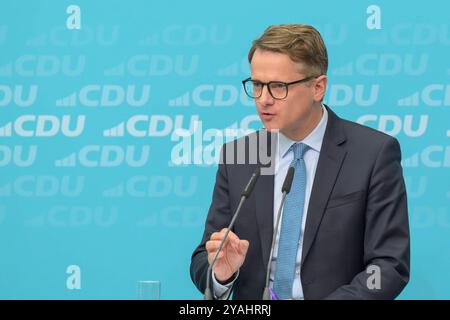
(108, 95)
(30, 65)
(413, 126)
(144, 65)
(46, 125)
(208, 95)
(191, 35)
(106, 156)
(344, 95)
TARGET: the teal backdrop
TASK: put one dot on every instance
(100, 187)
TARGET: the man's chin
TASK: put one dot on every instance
(272, 128)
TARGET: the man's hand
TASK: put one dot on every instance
(231, 256)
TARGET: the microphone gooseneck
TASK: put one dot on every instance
(244, 195)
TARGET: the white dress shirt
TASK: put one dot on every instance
(284, 158)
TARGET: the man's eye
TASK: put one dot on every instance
(276, 86)
(257, 84)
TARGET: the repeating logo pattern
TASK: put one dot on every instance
(111, 124)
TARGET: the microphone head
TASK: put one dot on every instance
(251, 184)
(288, 180)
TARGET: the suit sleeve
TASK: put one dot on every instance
(219, 216)
(386, 240)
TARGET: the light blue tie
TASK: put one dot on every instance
(291, 226)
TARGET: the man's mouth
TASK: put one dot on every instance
(267, 115)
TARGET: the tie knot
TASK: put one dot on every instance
(299, 150)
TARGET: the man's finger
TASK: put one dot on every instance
(211, 256)
(218, 235)
(243, 247)
(233, 237)
(212, 245)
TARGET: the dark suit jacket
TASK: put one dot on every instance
(357, 217)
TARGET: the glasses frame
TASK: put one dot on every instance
(286, 84)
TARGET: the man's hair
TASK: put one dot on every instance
(302, 43)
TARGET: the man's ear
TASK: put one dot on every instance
(320, 86)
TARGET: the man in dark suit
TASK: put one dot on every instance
(344, 232)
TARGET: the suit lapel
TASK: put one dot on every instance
(332, 155)
(264, 212)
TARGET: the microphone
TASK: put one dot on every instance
(268, 293)
(244, 195)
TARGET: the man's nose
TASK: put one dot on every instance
(266, 98)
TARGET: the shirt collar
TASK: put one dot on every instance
(313, 140)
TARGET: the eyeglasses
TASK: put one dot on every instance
(277, 89)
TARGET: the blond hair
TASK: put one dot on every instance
(302, 43)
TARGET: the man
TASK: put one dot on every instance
(344, 232)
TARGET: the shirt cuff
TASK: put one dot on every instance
(222, 291)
